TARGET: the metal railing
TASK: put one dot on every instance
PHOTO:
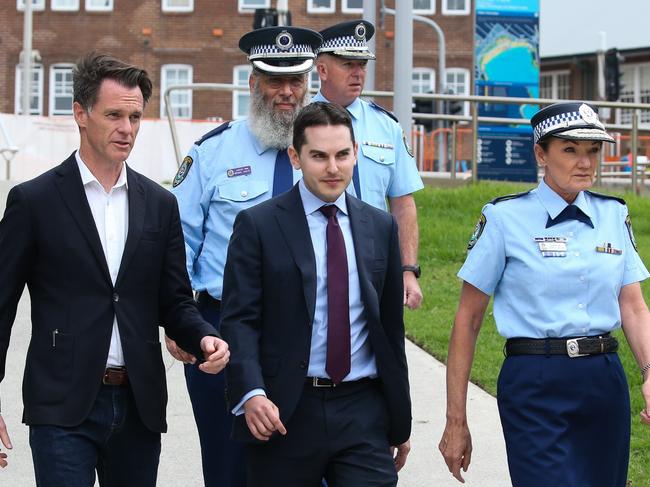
(473, 119)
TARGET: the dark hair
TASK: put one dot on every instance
(544, 144)
(319, 113)
(93, 68)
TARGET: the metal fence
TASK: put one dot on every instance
(463, 127)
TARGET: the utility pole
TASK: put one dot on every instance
(403, 64)
(370, 14)
(27, 58)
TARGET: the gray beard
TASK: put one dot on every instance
(272, 129)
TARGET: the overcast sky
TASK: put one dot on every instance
(572, 26)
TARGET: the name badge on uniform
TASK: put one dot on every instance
(238, 171)
(552, 246)
(607, 248)
(379, 144)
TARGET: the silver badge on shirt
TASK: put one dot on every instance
(552, 246)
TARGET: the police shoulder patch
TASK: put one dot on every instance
(509, 197)
(182, 171)
(478, 230)
(628, 224)
(406, 145)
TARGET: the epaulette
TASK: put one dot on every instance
(382, 109)
(213, 132)
(507, 197)
(606, 197)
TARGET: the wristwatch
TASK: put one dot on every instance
(415, 269)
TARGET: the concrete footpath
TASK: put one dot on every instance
(180, 462)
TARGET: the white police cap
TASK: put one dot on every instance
(571, 120)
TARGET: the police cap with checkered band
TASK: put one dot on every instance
(281, 50)
(348, 40)
(571, 120)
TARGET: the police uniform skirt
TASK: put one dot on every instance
(566, 421)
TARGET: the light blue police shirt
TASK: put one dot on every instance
(386, 169)
(570, 292)
(229, 172)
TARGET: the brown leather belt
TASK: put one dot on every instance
(115, 376)
(573, 347)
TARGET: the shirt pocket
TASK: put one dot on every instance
(380, 155)
(242, 191)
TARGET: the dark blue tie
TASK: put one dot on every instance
(571, 212)
(282, 174)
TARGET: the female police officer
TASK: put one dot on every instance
(562, 264)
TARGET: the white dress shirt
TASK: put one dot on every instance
(111, 214)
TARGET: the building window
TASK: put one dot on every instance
(321, 6)
(99, 5)
(352, 6)
(65, 5)
(457, 82)
(555, 85)
(250, 5)
(36, 97)
(426, 7)
(455, 7)
(240, 99)
(61, 89)
(36, 4)
(177, 5)
(423, 80)
(635, 81)
(181, 100)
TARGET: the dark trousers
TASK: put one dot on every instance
(566, 421)
(224, 462)
(112, 440)
(340, 434)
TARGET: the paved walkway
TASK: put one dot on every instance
(180, 460)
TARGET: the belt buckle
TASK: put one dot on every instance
(573, 348)
(315, 383)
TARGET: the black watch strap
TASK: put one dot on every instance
(415, 269)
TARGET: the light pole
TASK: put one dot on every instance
(27, 58)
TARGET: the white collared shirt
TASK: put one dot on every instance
(111, 214)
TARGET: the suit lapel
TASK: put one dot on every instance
(293, 224)
(137, 200)
(363, 237)
(74, 196)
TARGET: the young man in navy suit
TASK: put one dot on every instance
(312, 309)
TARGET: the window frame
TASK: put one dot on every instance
(164, 85)
(426, 11)
(38, 7)
(51, 94)
(311, 9)
(350, 10)
(74, 8)
(93, 8)
(447, 11)
(241, 8)
(636, 94)
(467, 84)
(421, 70)
(554, 75)
(236, 93)
(18, 89)
(174, 9)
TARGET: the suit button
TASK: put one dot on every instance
(303, 365)
(116, 297)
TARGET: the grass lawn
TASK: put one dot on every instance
(447, 218)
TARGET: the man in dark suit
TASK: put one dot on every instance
(313, 311)
(100, 249)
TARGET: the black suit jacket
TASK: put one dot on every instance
(269, 297)
(49, 241)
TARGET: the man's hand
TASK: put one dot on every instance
(412, 292)
(456, 448)
(215, 353)
(263, 418)
(645, 390)
(178, 353)
(402, 452)
(4, 437)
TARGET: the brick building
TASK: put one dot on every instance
(181, 41)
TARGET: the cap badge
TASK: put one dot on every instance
(587, 114)
(284, 41)
(360, 32)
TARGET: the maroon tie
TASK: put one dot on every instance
(337, 364)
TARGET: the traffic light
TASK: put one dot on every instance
(421, 105)
(612, 75)
(265, 17)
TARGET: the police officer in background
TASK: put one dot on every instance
(563, 266)
(236, 166)
(385, 165)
